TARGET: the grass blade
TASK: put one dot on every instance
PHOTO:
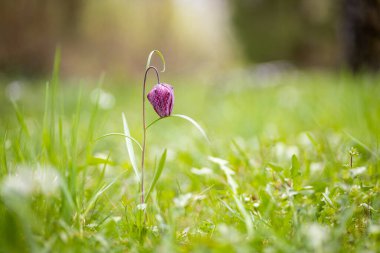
(361, 144)
(99, 193)
(157, 173)
(129, 145)
(4, 157)
(294, 170)
(192, 121)
(223, 165)
(20, 119)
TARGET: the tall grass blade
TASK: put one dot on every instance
(45, 130)
(129, 145)
(93, 119)
(157, 173)
(4, 157)
(53, 95)
(294, 170)
(361, 144)
(69, 202)
(20, 119)
(99, 193)
(234, 186)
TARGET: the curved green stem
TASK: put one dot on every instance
(192, 121)
(144, 128)
(154, 121)
(150, 57)
(120, 134)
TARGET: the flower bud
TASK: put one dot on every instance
(162, 99)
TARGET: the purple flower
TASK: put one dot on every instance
(162, 99)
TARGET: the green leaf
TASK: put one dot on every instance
(157, 173)
(98, 160)
(67, 196)
(275, 167)
(150, 58)
(192, 121)
(129, 145)
(294, 170)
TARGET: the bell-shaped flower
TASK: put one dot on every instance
(162, 99)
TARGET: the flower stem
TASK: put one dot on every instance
(144, 131)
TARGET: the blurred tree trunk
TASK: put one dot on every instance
(361, 34)
(30, 30)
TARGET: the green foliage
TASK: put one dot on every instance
(157, 173)
(131, 152)
(276, 176)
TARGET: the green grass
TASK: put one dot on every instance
(276, 176)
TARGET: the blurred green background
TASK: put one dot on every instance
(196, 36)
(268, 80)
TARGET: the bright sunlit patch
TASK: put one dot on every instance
(105, 99)
(27, 181)
(374, 229)
(316, 234)
(20, 183)
(316, 167)
(47, 180)
(285, 152)
(183, 200)
(202, 171)
(14, 90)
(141, 206)
(304, 139)
(358, 171)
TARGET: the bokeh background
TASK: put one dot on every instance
(286, 90)
(196, 37)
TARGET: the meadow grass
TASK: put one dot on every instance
(292, 166)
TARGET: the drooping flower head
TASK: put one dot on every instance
(162, 99)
